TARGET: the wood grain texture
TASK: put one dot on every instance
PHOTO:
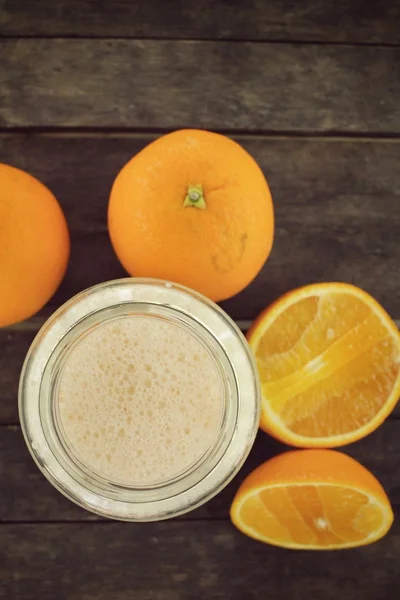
(315, 182)
(216, 85)
(315, 20)
(21, 481)
(13, 347)
(298, 258)
(164, 561)
(368, 258)
(336, 204)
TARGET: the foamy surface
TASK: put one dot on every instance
(140, 400)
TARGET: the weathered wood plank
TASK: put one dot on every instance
(315, 182)
(223, 85)
(368, 258)
(336, 207)
(315, 20)
(21, 481)
(13, 347)
(183, 561)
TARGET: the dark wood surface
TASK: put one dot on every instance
(309, 20)
(159, 561)
(227, 86)
(177, 560)
(312, 90)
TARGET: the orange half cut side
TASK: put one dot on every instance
(328, 356)
(312, 500)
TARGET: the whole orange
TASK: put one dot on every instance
(193, 207)
(34, 245)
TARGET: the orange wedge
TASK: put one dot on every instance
(328, 356)
(312, 500)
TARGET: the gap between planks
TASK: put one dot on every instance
(139, 133)
(35, 324)
(108, 521)
(200, 40)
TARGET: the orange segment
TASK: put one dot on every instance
(312, 499)
(328, 356)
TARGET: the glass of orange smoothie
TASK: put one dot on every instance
(139, 399)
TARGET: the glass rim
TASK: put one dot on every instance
(157, 294)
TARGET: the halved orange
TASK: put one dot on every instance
(312, 500)
(328, 356)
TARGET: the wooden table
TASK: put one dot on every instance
(313, 92)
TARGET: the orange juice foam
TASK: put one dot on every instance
(140, 400)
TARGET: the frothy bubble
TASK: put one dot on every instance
(140, 400)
